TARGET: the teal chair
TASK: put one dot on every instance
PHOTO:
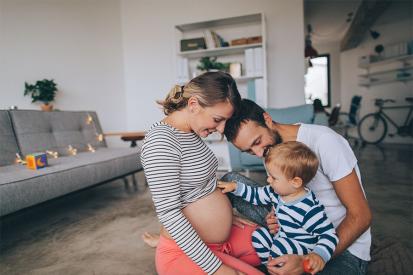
(246, 162)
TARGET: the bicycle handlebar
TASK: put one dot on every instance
(380, 101)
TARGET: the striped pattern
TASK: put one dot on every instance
(304, 226)
(180, 169)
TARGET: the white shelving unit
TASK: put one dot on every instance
(219, 51)
(230, 28)
(396, 69)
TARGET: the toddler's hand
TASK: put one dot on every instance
(315, 263)
(227, 186)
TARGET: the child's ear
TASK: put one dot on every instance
(297, 182)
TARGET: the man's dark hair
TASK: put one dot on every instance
(248, 111)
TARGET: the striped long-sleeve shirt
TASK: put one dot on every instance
(303, 220)
(180, 169)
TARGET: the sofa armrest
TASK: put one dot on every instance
(133, 137)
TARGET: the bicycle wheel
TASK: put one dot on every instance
(372, 128)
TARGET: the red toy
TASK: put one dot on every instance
(306, 266)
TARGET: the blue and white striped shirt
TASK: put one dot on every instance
(303, 220)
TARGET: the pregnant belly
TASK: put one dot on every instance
(211, 217)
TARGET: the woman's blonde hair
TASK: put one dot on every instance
(294, 159)
(209, 88)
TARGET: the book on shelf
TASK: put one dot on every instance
(249, 62)
(182, 70)
(254, 62)
(218, 40)
(258, 62)
(209, 39)
(215, 39)
(260, 94)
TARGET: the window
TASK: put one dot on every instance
(317, 80)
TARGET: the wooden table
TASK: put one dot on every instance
(133, 137)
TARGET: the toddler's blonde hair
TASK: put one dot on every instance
(294, 159)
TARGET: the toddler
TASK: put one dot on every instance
(304, 226)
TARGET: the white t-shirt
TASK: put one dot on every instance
(337, 160)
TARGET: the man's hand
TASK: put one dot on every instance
(315, 263)
(272, 222)
(240, 222)
(227, 186)
(286, 265)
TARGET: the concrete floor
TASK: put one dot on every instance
(97, 231)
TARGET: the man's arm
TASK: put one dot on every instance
(358, 216)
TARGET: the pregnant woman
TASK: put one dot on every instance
(197, 231)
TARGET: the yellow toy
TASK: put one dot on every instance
(36, 161)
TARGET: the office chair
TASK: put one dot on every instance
(347, 121)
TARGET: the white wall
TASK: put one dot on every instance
(149, 49)
(118, 56)
(396, 25)
(78, 43)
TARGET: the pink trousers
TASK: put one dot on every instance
(237, 253)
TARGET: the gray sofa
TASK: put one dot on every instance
(30, 131)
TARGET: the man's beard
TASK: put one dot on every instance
(277, 139)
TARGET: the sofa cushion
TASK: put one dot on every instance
(302, 113)
(39, 131)
(21, 187)
(8, 145)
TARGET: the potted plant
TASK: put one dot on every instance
(210, 64)
(44, 91)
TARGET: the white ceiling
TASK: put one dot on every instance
(328, 18)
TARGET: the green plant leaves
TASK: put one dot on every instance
(43, 90)
(210, 63)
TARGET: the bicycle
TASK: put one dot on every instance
(373, 127)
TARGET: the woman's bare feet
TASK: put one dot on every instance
(150, 239)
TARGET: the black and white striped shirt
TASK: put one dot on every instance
(180, 169)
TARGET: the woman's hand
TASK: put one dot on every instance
(240, 222)
(226, 270)
(315, 263)
(272, 222)
(227, 186)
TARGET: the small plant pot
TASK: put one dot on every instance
(47, 107)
